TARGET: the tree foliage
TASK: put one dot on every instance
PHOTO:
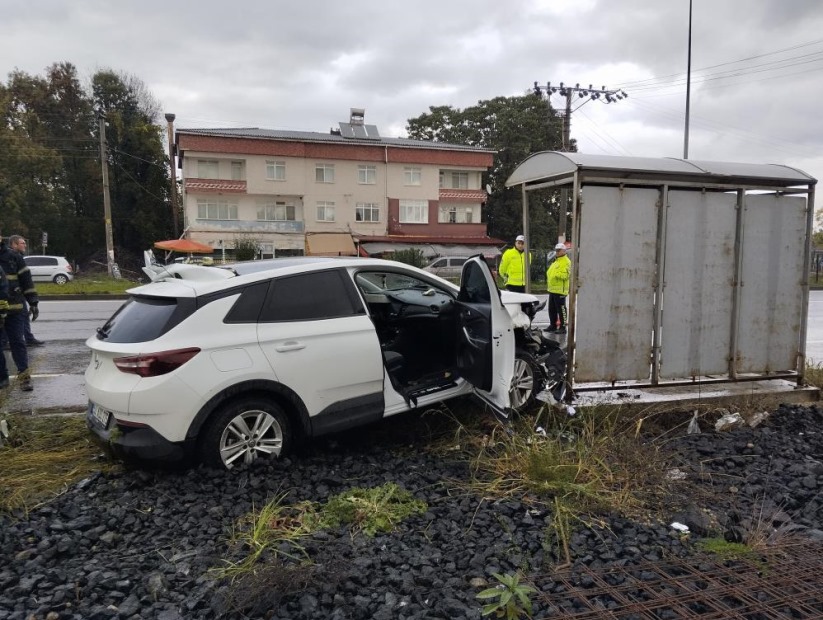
(515, 127)
(50, 171)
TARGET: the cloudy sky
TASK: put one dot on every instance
(757, 65)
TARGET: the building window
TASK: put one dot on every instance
(208, 169)
(325, 211)
(442, 179)
(276, 212)
(367, 212)
(452, 214)
(366, 175)
(460, 180)
(237, 171)
(276, 170)
(324, 173)
(413, 175)
(414, 212)
(215, 209)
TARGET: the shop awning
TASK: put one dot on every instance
(330, 244)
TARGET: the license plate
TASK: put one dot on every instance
(100, 414)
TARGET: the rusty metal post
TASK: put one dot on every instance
(660, 282)
(737, 285)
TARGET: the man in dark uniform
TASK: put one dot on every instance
(21, 287)
(4, 307)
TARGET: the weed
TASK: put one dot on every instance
(373, 510)
(512, 598)
(814, 374)
(727, 550)
(272, 534)
(43, 457)
(274, 530)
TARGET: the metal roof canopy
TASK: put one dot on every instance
(625, 193)
(552, 168)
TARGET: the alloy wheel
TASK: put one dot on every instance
(249, 435)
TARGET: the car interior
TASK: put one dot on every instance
(417, 329)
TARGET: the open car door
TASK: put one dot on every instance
(485, 340)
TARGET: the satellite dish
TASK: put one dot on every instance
(488, 188)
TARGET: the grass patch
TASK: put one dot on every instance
(727, 550)
(378, 509)
(43, 457)
(87, 286)
(814, 374)
(577, 467)
(273, 533)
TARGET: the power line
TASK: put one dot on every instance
(639, 83)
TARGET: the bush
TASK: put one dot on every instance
(412, 256)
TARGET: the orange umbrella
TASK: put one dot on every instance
(184, 245)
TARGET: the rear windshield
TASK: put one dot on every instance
(142, 319)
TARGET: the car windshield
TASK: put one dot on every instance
(388, 281)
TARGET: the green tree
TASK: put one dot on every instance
(515, 127)
(138, 166)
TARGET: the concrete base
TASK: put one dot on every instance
(745, 394)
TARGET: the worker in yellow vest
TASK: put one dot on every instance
(557, 278)
(513, 266)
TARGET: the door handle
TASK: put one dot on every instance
(289, 345)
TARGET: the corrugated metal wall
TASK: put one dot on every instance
(616, 283)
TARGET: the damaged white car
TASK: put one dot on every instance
(230, 364)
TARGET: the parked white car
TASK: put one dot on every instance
(229, 364)
(49, 268)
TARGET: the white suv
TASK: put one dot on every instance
(49, 268)
(229, 364)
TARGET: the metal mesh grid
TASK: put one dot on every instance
(787, 583)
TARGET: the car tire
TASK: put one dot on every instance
(60, 279)
(527, 381)
(242, 431)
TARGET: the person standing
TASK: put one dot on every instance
(513, 266)
(557, 278)
(4, 308)
(18, 244)
(21, 289)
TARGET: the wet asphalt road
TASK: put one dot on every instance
(58, 366)
(65, 325)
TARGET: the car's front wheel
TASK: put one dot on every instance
(527, 381)
(243, 431)
(60, 279)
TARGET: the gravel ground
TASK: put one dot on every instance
(140, 544)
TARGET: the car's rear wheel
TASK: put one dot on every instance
(243, 431)
(526, 382)
(60, 279)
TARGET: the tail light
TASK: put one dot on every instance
(155, 364)
(68, 268)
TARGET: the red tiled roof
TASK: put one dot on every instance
(216, 185)
(463, 195)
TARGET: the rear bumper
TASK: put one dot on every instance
(138, 442)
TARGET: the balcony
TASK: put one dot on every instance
(249, 226)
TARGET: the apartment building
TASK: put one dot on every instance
(345, 192)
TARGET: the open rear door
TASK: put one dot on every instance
(485, 349)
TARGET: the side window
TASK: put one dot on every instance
(310, 297)
(35, 261)
(247, 307)
(457, 262)
(440, 262)
(474, 289)
(51, 262)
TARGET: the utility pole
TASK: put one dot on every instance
(113, 271)
(170, 120)
(688, 87)
(590, 94)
